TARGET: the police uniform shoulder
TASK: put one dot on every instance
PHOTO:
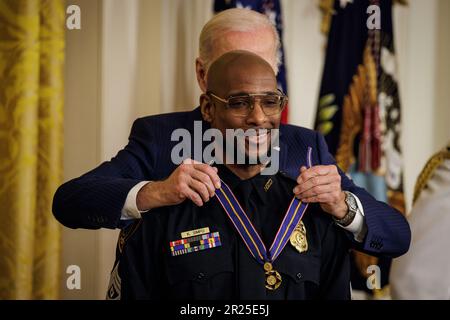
(138, 228)
(290, 130)
(285, 177)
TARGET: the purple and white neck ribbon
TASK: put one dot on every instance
(248, 232)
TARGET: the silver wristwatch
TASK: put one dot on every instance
(352, 210)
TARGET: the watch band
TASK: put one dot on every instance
(351, 213)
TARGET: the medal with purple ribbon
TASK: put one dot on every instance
(250, 236)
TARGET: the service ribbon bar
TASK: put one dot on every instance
(194, 244)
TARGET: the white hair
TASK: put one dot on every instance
(240, 20)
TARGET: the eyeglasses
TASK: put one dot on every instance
(242, 105)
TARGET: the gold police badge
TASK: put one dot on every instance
(298, 238)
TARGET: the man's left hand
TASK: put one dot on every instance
(322, 184)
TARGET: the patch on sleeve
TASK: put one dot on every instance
(126, 233)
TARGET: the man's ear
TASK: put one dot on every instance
(207, 108)
(201, 74)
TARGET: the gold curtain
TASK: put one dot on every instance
(31, 118)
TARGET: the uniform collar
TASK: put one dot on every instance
(261, 184)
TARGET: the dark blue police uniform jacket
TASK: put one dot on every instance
(149, 265)
(95, 199)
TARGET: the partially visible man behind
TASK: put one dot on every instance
(424, 272)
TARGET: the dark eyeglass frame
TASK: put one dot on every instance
(283, 101)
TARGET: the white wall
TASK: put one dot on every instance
(126, 62)
(305, 51)
(112, 77)
(442, 75)
(424, 78)
(180, 27)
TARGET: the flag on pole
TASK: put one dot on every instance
(272, 9)
(359, 105)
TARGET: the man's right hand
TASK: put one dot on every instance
(191, 180)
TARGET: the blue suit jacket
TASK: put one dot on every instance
(95, 199)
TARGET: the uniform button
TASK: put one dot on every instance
(299, 276)
(200, 276)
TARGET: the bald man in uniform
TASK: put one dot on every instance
(254, 239)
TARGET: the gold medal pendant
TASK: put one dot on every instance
(298, 238)
(273, 277)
